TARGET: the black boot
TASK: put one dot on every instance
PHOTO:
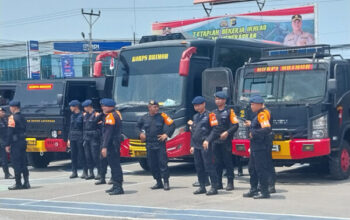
(230, 185)
(200, 190)
(212, 191)
(252, 192)
(272, 189)
(18, 184)
(117, 189)
(101, 181)
(84, 175)
(262, 195)
(159, 185)
(74, 174)
(26, 184)
(7, 173)
(166, 185)
(91, 175)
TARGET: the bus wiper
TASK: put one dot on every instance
(124, 106)
(311, 97)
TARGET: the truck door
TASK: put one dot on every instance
(214, 80)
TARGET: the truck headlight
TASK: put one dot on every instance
(54, 134)
(242, 132)
(320, 127)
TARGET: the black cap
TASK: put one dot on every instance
(153, 102)
(15, 103)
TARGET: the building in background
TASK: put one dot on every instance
(58, 59)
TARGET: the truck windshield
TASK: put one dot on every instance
(38, 94)
(149, 74)
(288, 87)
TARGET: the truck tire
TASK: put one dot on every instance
(339, 163)
(38, 161)
(144, 164)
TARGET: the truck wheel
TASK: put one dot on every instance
(144, 164)
(38, 161)
(339, 164)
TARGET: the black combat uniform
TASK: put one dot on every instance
(227, 121)
(76, 144)
(111, 139)
(3, 153)
(16, 139)
(91, 138)
(260, 148)
(157, 156)
(203, 159)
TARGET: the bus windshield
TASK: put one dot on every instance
(283, 86)
(149, 74)
(38, 94)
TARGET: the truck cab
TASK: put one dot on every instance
(44, 104)
(169, 69)
(307, 90)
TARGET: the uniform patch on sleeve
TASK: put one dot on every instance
(233, 117)
(264, 119)
(11, 122)
(167, 120)
(110, 120)
(119, 114)
(212, 120)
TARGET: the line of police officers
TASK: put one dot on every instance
(95, 138)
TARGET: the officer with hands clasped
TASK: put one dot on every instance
(75, 139)
(203, 155)
(226, 125)
(91, 138)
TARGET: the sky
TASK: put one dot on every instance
(22, 20)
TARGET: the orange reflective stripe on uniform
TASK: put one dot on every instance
(264, 119)
(119, 114)
(233, 117)
(212, 119)
(110, 120)
(11, 122)
(167, 119)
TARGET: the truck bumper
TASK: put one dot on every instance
(178, 146)
(289, 149)
(47, 145)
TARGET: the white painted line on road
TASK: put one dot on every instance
(69, 214)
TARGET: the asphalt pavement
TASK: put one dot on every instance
(302, 193)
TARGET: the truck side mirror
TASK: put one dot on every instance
(332, 86)
(59, 99)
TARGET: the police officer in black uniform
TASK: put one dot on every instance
(91, 138)
(151, 129)
(75, 139)
(203, 156)
(3, 136)
(16, 145)
(260, 142)
(227, 125)
(111, 139)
